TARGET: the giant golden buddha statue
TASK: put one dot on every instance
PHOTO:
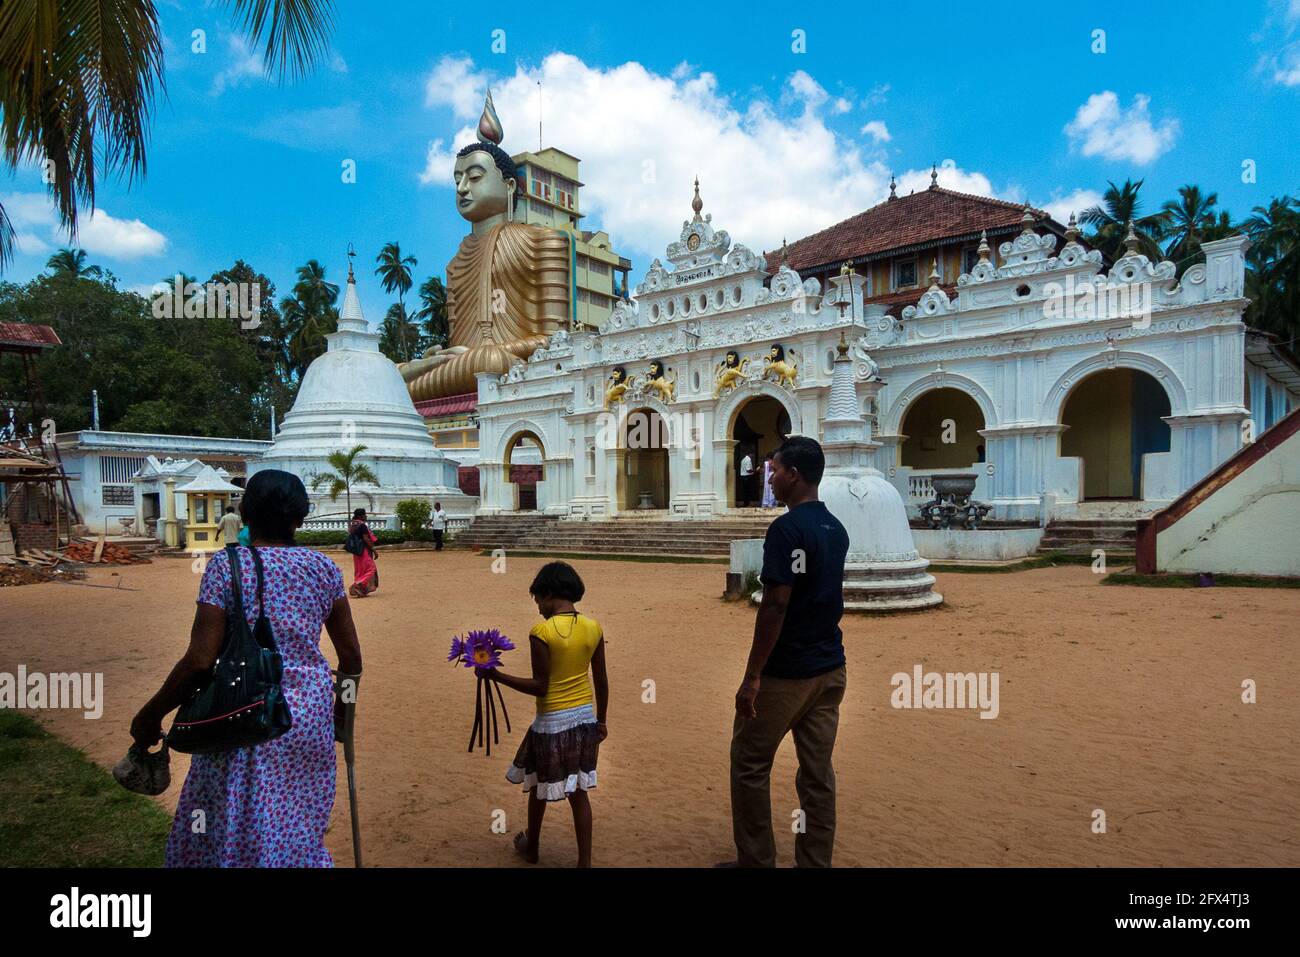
(508, 285)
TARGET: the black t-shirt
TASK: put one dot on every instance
(805, 549)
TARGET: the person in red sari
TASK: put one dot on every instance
(365, 574)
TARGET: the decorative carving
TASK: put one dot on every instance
(665, 387)
(617, 387)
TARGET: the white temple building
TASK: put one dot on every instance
(1069, 387)
(353, 395)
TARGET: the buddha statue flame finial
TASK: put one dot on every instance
(697, 204)
(489, 124)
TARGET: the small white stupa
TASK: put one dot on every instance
(883, 571)
(353, 395)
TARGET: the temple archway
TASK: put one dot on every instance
(643, 480)
(942, 429)
(523, 468)
(759, 426)
(1113, 418)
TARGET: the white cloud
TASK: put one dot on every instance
(242, 63)
(1101, 128)
(106, 235)
(842, 105)
(1285, 65)
(951, 176)
(29, 244)
(1076, 202)
(877, 130)
(37, 225)
(765, 173)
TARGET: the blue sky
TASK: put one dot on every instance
(1011, 97)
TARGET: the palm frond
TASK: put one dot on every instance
(294, 34)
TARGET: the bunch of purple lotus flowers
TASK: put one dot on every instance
(482, 649)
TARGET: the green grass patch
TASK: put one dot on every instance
(1049, 560)
(1189, 581)
(60, 809)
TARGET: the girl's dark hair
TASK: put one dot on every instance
(359, 513)
(557, 580)
(274, 505)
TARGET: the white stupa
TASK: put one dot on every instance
(883, 571)
(354, 395)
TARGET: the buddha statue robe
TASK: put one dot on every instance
(507, 291)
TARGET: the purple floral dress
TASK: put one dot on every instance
(269, 805)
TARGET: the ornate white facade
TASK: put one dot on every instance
(1021, 333)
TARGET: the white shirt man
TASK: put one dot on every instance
(746, 466)
(438, 522)
(747, 480)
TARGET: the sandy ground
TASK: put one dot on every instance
(1122, 699)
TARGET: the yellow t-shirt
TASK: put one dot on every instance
(572, 639)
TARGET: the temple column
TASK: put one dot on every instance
(493, 490)
(170, 536)
(724, 472)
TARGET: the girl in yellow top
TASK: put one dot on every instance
(557, 758)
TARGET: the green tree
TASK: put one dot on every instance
(72, 264)
(1121, 205)
(78, 80)
(397, 333)
(1190, 221)
(394, 272)
(433, 311)
(309, 315)
(345, 472)
(1273, 280)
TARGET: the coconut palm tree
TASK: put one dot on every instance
(78, 80)
(72, 263)
(1187, 220)
(309, 314)
(394, 272)
(395, 330)
(1273, 281)
(433, 310)
(1121, 205)
(345, 472)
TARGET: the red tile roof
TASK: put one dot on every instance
(26, 337)
(911, 221)
(448, 405)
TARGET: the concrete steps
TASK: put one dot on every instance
(1118, 537)
(633, 536)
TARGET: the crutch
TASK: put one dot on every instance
(345, 718)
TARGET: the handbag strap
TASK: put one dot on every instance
(257, 566)
(232, 553)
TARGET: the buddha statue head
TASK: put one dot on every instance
(487, 180)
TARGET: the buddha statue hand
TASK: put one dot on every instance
(431, 358)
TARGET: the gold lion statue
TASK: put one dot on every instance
(617, 388)
(655, 381)
(775, 365)
(732, 371)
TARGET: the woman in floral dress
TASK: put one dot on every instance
(267, 805)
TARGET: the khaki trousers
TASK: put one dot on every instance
(810, 708)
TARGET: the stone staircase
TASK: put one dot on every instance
(639, 535)
(1080, 536)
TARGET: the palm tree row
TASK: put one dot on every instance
(402, 339)
(1179, 229)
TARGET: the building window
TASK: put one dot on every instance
(119, 494)
(599, 268)
(119, 469)
(904, 273)
(970, 258)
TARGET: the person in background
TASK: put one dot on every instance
(229, 527)
(769, 497)
(438, 521)
(365, 573)
(557, 758)
(795, 677)
(267, 805)
(746, 469)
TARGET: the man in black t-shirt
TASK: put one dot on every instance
(794, 680)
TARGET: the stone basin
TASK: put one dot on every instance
(959, 485)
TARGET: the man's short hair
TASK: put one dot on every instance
(805, 456)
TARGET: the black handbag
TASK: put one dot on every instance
(241, 703)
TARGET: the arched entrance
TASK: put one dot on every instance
(759, 428)
(644, 478)
(942, 429)
(1114, 417)
(523, 469)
